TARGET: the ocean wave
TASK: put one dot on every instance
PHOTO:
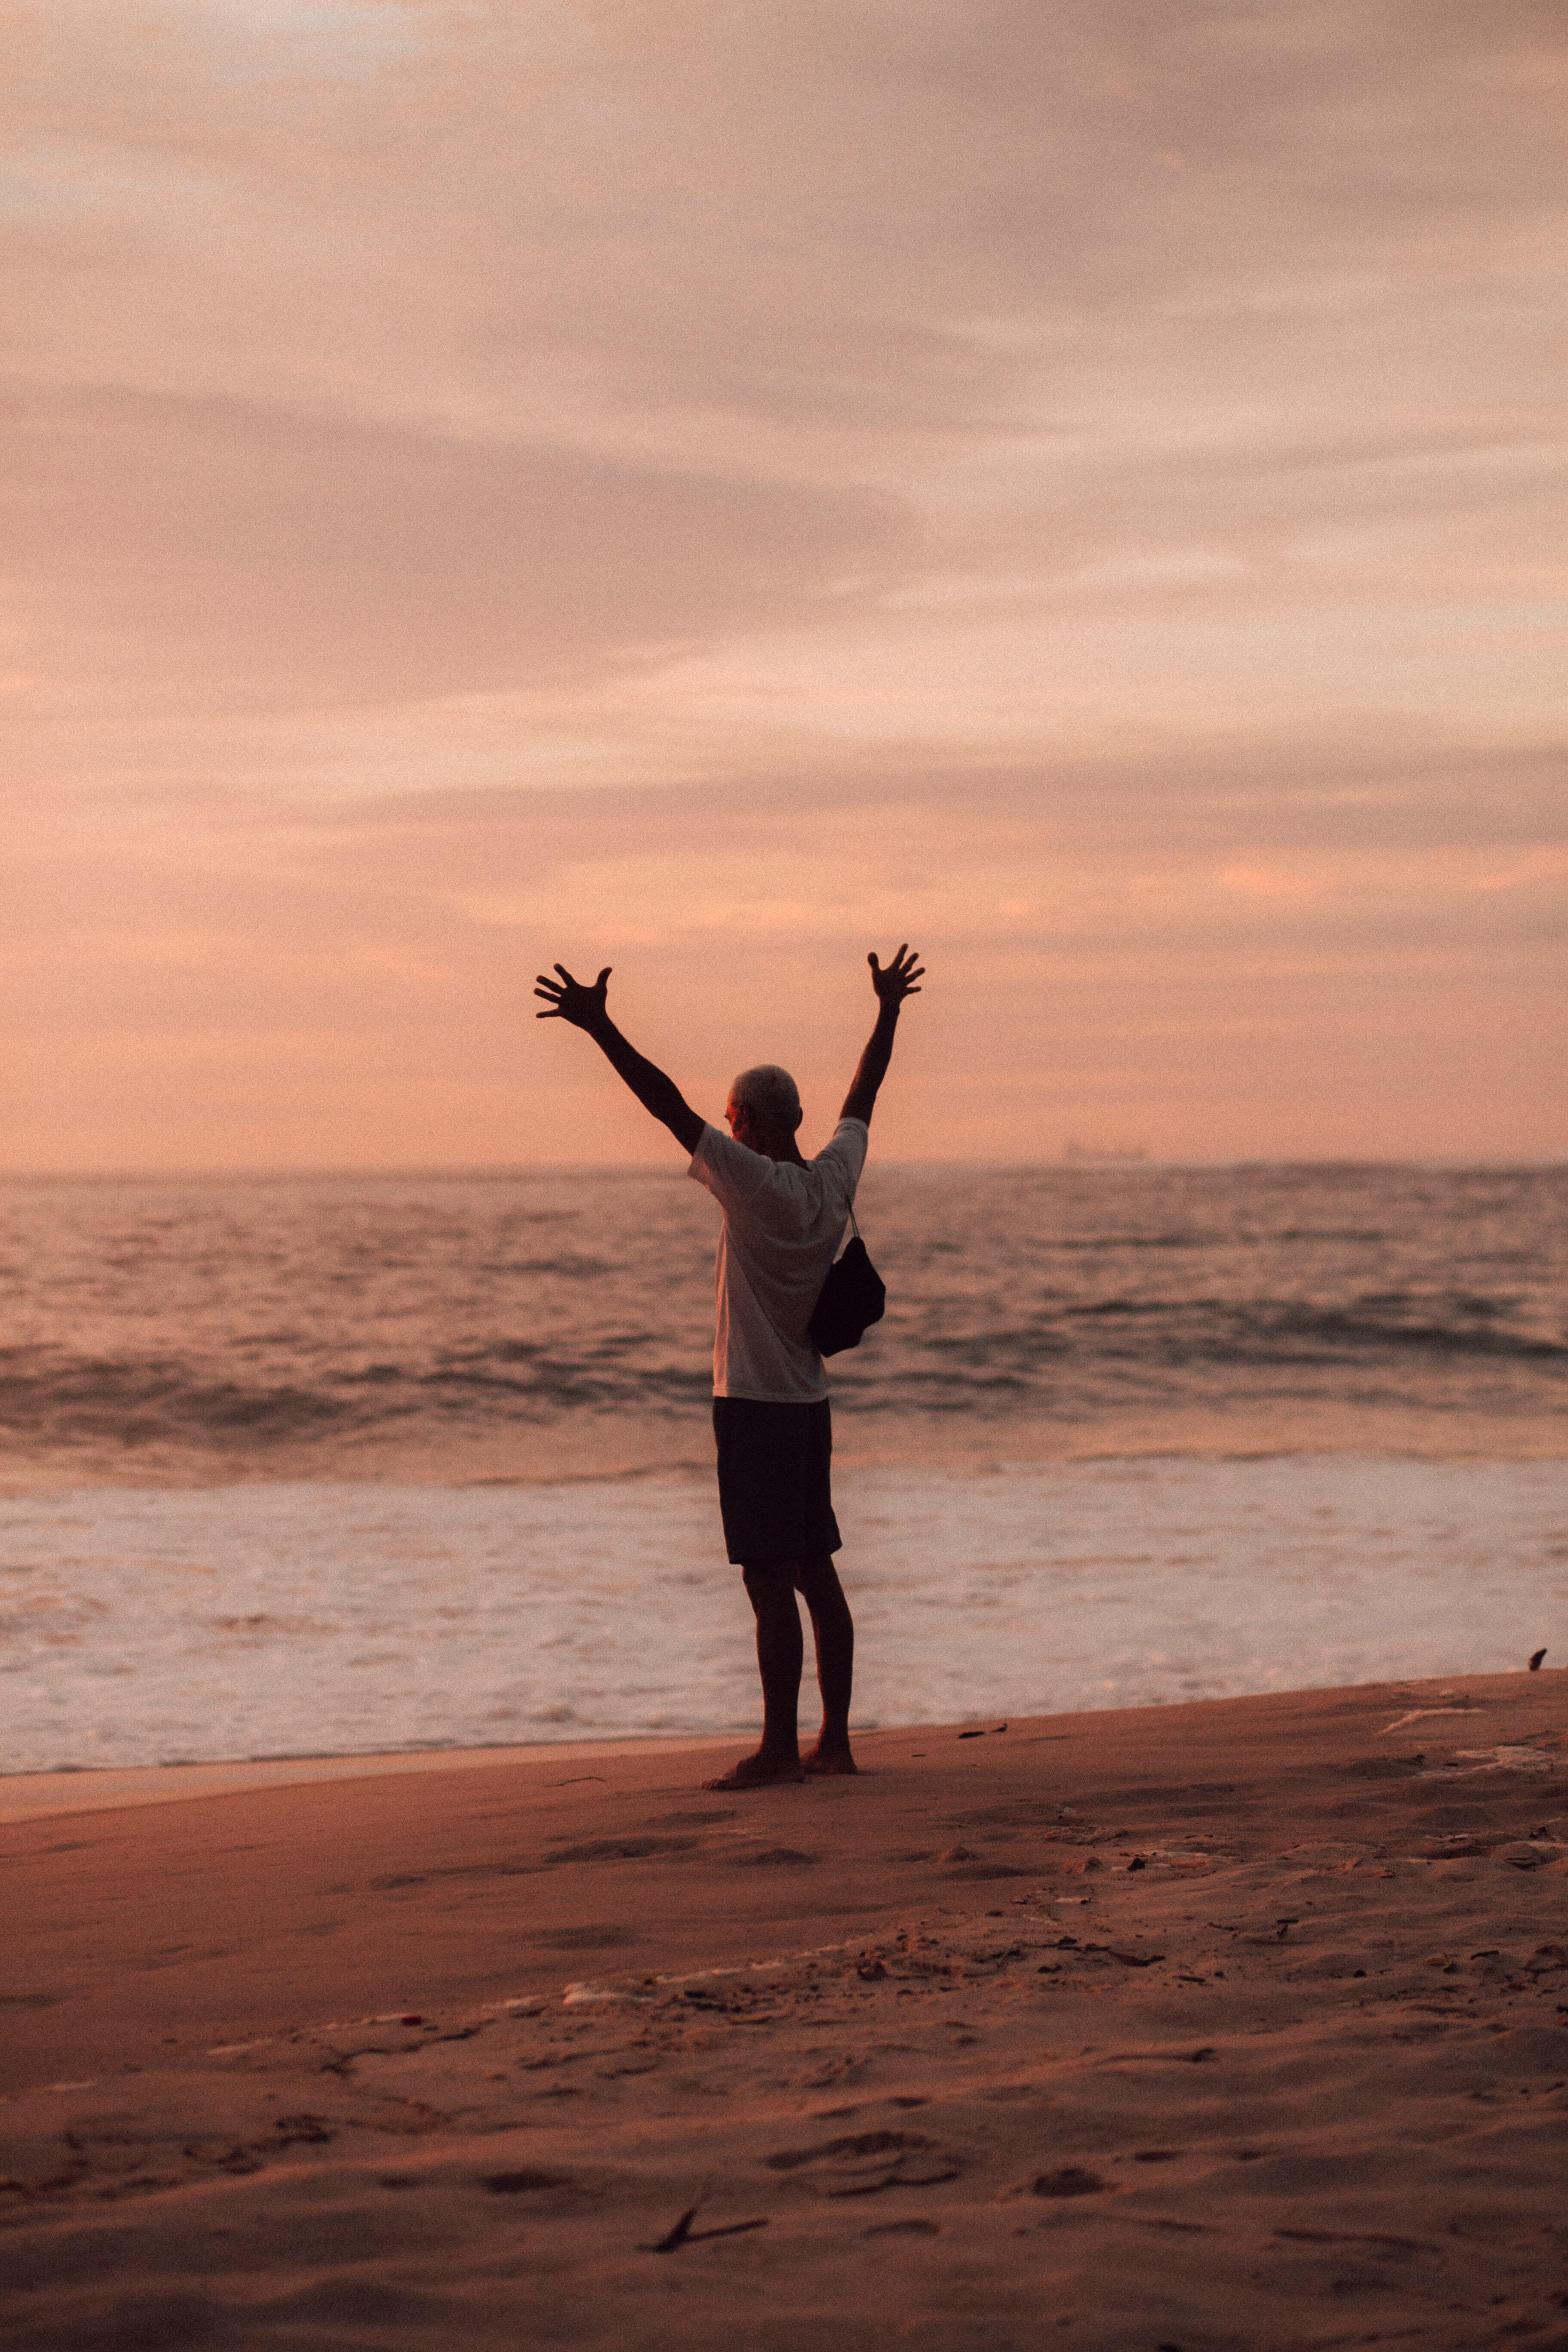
(300, 1322)
(921, 1360)
(1438, 1339)
(138, 1405)
(1215, 1328)
(133, 1400)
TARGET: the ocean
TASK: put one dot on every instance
(304, 1466)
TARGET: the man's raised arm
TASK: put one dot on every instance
(891, 986)
(567, 1000)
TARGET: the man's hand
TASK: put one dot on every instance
(897, 982)
(567, 1000)
(891, 986)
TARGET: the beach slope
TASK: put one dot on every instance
(1218, 2026)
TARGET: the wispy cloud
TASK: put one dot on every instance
(1088, 478)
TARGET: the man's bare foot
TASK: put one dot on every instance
(828, 1763)
(760, 1772)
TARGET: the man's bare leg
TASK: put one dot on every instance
(780, 1652)
(833, 1629)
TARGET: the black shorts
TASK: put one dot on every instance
(775, 1488)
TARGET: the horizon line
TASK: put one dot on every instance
(1085, 1163)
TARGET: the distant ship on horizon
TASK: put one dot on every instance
(1073, 1149)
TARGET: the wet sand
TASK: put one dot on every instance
(1233, 2025)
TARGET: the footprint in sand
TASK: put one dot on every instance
(1068, 2180)
(622, 1849)
(860, 2163)
(309, 2131)
(595, 1935)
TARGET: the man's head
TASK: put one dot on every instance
(763, 1110)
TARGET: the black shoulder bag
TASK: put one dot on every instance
(852, 1299)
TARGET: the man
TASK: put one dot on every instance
(784, 1220)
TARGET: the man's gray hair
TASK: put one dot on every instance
(770, 1095)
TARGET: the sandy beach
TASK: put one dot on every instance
(1217, 2026)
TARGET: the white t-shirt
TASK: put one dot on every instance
(782, 1225)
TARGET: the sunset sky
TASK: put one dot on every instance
(710, 489)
